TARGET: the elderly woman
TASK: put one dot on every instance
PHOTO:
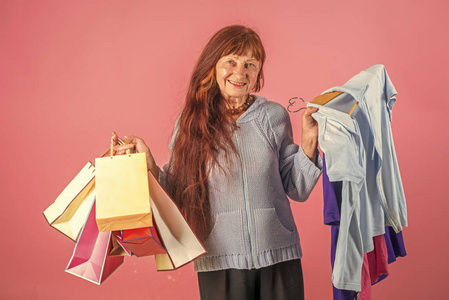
(232, 166)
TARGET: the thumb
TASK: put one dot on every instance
(310, 110)
(130, 138)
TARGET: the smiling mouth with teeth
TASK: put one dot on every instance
(236, 83)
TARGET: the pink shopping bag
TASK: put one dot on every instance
(90, 259)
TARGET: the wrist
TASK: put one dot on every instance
(309, 146)
(154, 169)
(150, 165)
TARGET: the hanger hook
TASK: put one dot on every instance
(292, 102)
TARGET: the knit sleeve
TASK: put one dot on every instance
(298, 173)
(164, 176)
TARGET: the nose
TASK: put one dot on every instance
(240, 71)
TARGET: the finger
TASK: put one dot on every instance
(310, 110)
(114, 138)
(140, 144)
(132, 139)
(120, 141)
(123, 148)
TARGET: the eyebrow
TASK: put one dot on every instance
(252, 59)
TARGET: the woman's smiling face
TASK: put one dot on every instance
(237, 75)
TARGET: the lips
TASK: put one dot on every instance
(236, 84)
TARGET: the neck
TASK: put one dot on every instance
(238, 110)
(232, 102)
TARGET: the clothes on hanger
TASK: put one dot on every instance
(374, 267)
(376, 95)
(360, 153)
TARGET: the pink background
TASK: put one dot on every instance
(73, 71)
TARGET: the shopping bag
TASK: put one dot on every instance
(118, 248)
(90, 259)
(123, 197)
(71, 208)
(180, 242)
(143, 241)
(163, 262)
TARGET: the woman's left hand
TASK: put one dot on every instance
(137, 144)
(309, 139)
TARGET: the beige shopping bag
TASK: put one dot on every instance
(71, 208)
(180, 242)
(163, 262)
(123, 196)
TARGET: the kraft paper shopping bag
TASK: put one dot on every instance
(71, 208)
(90, 259)
(123, 196)
(163, 262)
(180, 242)
(143, 241)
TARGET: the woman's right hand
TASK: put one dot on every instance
(309, 137)
(137, 144)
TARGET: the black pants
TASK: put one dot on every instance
(282, 281)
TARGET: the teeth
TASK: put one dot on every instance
(236, 83)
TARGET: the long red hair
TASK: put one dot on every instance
(203, 129)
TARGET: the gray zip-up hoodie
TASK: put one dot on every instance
(253, 221)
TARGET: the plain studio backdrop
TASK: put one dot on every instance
(73, 71)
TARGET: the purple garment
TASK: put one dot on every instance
(395, 244)
(332, 204)
(332, 199)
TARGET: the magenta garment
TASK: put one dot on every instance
(378, 259)
(375, 264)
(394, 243)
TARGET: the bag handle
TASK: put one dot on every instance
(120, 142)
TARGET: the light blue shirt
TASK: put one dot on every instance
(376, 102)
(360, 152)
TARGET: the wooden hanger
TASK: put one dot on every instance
(325, 98)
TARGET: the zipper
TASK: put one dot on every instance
(245, 197)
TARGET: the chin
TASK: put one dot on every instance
(239, 94)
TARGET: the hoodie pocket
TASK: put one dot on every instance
(270, 231)
(226, 236)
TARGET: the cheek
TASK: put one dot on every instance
(221, 75)
(253, 80)
(220, 80)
